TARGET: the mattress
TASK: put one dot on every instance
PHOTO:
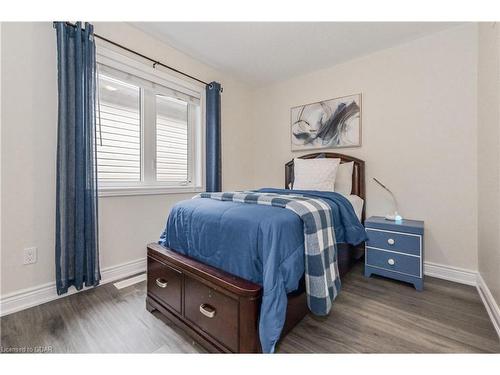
(357, 203)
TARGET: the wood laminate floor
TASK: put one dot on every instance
(373, 315)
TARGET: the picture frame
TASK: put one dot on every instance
(327, 124)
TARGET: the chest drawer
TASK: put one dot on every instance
(390, 261)
(165, 283)
(212, 311)
(400, 242)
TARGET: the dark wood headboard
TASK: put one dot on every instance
(358, 172)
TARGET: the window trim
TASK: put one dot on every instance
(116, 191)
(127, 64)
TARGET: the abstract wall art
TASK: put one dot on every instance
(332, 123)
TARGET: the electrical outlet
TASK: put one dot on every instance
(30, 255)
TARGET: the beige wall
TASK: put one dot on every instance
(28, 125)
(419, 133)
(489, 156)
(419, 136)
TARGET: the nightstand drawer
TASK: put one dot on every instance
(400, 242)
(409, 265)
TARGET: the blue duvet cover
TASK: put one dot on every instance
(264, 244)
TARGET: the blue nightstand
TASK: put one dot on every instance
(395, 250)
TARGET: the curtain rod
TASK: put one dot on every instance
(155, 62)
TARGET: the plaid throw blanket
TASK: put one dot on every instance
(321, 270)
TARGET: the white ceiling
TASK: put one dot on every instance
(259, 53)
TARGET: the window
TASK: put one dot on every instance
(148, 131)
(171, 139)
(118, 131)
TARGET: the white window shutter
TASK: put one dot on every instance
(118, 128)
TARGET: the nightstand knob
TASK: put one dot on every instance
(390, 241)
(391, 262)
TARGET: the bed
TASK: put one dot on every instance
(214, 292)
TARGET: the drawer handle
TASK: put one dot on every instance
(391, 262)
(390, 241)
(161, 283)
(207, 310)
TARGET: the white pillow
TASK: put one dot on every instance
(343, 180)
(315, 174)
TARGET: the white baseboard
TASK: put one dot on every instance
(30, 297)
(455, 274)
(489, 302)
(468, 277)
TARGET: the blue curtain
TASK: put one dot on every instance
(213, 138)
(77, 253)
